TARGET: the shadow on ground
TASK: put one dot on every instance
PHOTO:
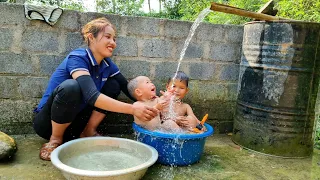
(222, 159)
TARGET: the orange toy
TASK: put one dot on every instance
(199, 127)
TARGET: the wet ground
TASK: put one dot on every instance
(222, 159)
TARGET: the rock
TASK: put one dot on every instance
(8, 146)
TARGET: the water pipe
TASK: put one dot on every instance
(241, 12)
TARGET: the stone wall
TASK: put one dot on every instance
(31, 50)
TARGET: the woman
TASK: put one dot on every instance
(86, 78)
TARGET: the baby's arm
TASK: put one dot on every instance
(161, 103)
(190, 120)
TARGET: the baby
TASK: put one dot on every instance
(144, 91)
(178, 111)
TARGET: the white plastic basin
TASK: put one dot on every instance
(104, 158)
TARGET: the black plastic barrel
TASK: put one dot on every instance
(277, 89)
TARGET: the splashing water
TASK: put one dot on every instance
(171, 113)
(194, 26)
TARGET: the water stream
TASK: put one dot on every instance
(171, 114)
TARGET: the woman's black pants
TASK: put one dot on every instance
(65, 105)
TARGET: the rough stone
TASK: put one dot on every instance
(6, 38)
(126, 47)
(16, 63)
(157, 48)
(40, 41)
(8, 146)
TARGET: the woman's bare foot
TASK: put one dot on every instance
(47, 148)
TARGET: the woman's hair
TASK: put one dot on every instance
(95, 26)
(180, 76)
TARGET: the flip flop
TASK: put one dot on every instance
(46, 150)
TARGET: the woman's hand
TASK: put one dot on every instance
(143, 112)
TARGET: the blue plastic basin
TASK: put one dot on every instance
(174, 149)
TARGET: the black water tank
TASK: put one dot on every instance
(277, 89)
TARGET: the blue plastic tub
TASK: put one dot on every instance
(174, 149)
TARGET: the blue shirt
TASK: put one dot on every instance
(80, 60)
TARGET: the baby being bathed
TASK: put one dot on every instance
(178, 111)
(144, 91)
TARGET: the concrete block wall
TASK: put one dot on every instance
(31, 50)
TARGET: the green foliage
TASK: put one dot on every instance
(299, 9)
(123, 7)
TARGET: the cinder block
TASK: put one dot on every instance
(126, 46)
(229, 72)
(212, 91)
(202, 70)
(157, 48)
(40, 41)
(142, 26)
(234, 33)
(165, 70)
(20, 111)
(12, 14)
(8, 86)
(16, 63)
(69, 20)
(216, 109)
(133, 68)
(32, 87)
(73, 41)
(210, 32)
(225, 52)
(49, 63)
(193, 50)
(6, 38)
(176, 29)
(232, 93)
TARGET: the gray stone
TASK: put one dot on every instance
(225, 52)
(6, 38)
(40, 41)
(157, 48)
(14, 111)
(8, 146)
(165, 70)
(202, 70)
(73, 41)
(232, 93)
(234, 33)
(133, 68)
(49, 63)
(176, 29)
(142, 26)
(193, 50)
(69, 20)
(229, 72)
(33, 87)
(12, 14)
(16, 63)
(8, 86)
(210, 32)
(126, 46)
(212, 91)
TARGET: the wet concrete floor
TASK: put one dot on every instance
(222, 159)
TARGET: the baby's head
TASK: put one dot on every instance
(180, 84)
(142, 88)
